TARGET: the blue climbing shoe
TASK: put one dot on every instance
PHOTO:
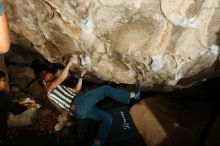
(137, 94)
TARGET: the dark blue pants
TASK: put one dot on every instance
(85, 107)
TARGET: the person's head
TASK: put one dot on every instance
(47, 77)
(2, 80)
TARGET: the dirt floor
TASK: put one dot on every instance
(41, 132)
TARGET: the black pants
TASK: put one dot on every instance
(6, 105)
(3, 125)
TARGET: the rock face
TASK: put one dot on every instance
(164, 122)
(24, 119)
(154, 41)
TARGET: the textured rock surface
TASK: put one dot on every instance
(24, 119)
(155, 41)
(165, 122)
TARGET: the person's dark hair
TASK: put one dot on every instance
(43, 74)
(218, 40)
(2, 74)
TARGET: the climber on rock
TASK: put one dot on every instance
(83, 106)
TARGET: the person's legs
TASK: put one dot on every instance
(87, 100)
(3, 126)
(105, 123)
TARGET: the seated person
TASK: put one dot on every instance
(6, 105)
